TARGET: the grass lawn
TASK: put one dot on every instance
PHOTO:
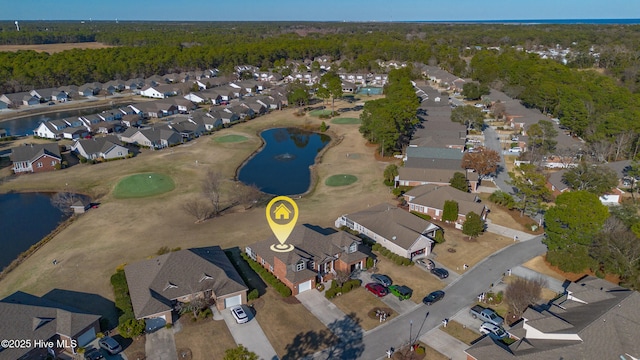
(285, 324)
(320, 112)
(135, 350)
(466, 252)
(360, 302)
(143, 185)
(346, 121)
(460, 332)
(340, 180)
(205, 339)
(231, 138)
(419, 280)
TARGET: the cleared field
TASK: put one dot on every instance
(143, 185)
(230, 138)
(340, 180)
(54, 48)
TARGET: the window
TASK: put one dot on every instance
(312, 265)
(353, 248)
(262, 261)
(300, 265)
(271, 268)
(53, 163)
(39, 164)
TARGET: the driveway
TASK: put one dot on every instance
(249, 334)
(445, 344)
(161, 345)
(401, 307)
(508, 232)
(491, 142)
(320, 307)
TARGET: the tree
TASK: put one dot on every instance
(482, 160)
(450, 210)
(594, 178)
(618, 252)
(470, 116)
(341, 277)
(298, 94)
(570, 226)
(211, 189)
(248, 195)
(197, 208)
(499, 109)
(542, 139)
(474, 91)
(531, 188)
(131, 328)
(473, 225)
(634, 173)
(239, 353)
(439, 237)
(459, 181)
(63, 201)
(521, 293)
(390, 173)
(332, 82)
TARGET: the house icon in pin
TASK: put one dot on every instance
(282, 212)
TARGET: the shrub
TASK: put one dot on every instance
(420, 215)
(346, 287)
(268, 277)
(253, 294)
(131, 328)
(369, 263)
(406, 262)
(323, 127)
(330, 294)
(334, 284)
(502, 198)
(439, 238)
(420, 350)
(376, 247)
(399, 261)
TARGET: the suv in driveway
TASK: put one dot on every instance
(110, 344)
(427, 263)
(384, 280)
(440, 272)
(401, 291)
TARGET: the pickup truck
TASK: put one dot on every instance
(486, 314)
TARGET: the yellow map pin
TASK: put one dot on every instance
(282, 215)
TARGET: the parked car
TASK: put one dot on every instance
(382, 279)
(93, 354)
(433, 297)
(486, 315)
(427, 263)
(377, 289)
(401, 291)
(239, 314)
(440, 272)
(110, 344)
(495, 331)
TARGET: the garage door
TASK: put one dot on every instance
(304, 286)
(232, 301)
(86, 338)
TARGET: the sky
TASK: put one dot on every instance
(322, 10)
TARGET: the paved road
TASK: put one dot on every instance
(459, 295)
(491, 141)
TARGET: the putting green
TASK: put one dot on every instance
(230, 139)
(320, 112)
(346, 121)
(143, 185)
(340, 180)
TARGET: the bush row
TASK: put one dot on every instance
(421, 215)
(253, 293)
(345, 288)
(128, 325)
(268, 277)
(399, 260)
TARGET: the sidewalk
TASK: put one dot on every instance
(517, 235)
(445, 344)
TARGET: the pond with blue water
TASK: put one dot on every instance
(282, 166)
(369, 91)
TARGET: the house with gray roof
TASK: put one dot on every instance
(316, 257)
(105, 147)
(399, 231)
(430, 199)
(594, 319)
(14, 100)
(35, 158)
(28, 317)
(157, 137)
(425, 152)
(160, 285)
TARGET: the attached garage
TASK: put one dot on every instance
(232, 301)
(152, 324)
(304, 286)
(87, 337)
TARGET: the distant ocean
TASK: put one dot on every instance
(540, 22)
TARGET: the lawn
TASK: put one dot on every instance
(340, 180)
(320, 112)
(143, 185)
(457, 250)
(231, 138)
(284, 321)
(360, 302)
(343, 121)
(204, 339)
(460, 332)
(419, 280)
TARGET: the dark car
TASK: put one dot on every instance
(433, 297)
(401, 291)
(93, 354)
(377, 289)
(110, 344)
(440, 272)
(382, 279)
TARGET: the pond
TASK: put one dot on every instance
(281, 167)
(370, 91)
(25, 219)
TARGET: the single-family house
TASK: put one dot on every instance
(158, 91)
(316, 257)
(154, 109)
(14, 100)
(593, 319)
(159, 285)
(50, 94)
(104, 147)
(244, 113)
(188, 129)
(35, 158)
(258, 108)
(73, 133)
(31, 318)
(90, 89)
(206, 120)
(430, 199)
(556, 184)
(50, 129)
(414, 176)
(158, 137)
(399, 231)
(348, 87)
(131, 120)
(227, 117)
(72, 91)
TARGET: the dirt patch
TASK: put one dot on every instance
(500, 215)
(136, 350)
(457, 250)
(460, 332)
(541, 265)
(203, 339)
(54, 48)
(360, 302)
(419, 280)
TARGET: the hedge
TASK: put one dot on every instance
(421, 215)
(346, 287)
(397, 259)
(268, 277)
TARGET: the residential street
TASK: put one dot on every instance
(491, 142)
(459, 295)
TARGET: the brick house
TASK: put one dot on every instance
(35, 158)
(430, 199)
(316, 257)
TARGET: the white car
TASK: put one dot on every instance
(239, 314)
(495, 331)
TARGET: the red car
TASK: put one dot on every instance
(377, 289)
